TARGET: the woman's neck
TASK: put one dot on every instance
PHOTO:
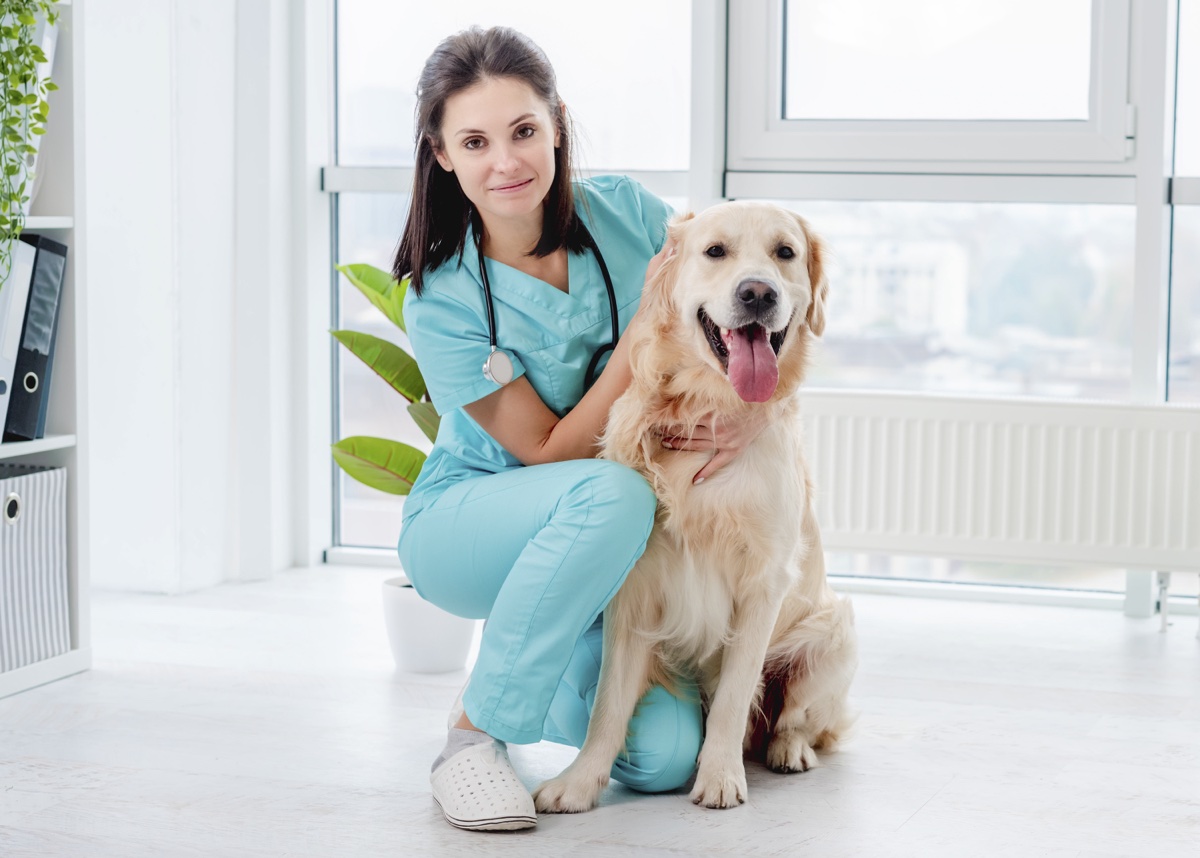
(513, 244)
(506, 240)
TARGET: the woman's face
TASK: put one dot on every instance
(499, 141)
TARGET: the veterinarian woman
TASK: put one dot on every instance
(521, 283)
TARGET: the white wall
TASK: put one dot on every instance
(186, 158)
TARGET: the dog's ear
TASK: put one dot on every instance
(659, 289)
(816, 277)
(657, 310)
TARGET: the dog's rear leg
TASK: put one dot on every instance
(816, 664)
(815, 711)
(624, 673)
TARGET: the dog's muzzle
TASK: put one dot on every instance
(747, 355)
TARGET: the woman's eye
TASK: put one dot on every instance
(525, 132)
(473, 143)
(715, 252)
(785, 252)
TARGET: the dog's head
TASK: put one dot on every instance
(742, 293)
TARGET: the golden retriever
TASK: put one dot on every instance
(731, 589)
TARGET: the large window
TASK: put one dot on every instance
(1184, 368)
(603, 62)
(940, 85)
(1011, 191)
(977, 298)
(881, 60)
(1184, 365)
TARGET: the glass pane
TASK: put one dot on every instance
(1187, 105)
(991, 299)
(624, 73)
(368, 228)
(944, 570)
(1183, 371)
(879, 59)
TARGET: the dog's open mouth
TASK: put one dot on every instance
(748, 355)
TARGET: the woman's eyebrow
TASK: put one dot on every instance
(523, 117)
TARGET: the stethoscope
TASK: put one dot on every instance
(498, 367)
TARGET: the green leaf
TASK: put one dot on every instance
(380, 288)
(426, 418)
(390, 362)
(388, 466)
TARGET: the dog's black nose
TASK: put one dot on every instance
(757, 296)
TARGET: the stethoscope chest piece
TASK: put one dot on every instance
(498, 368)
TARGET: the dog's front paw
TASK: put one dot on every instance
(569, 793)
(720, 788)
(790, 752)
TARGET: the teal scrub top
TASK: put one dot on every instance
(550, 335)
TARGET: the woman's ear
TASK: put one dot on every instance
(440, 154)
(816, 277)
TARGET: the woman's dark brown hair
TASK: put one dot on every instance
(439, 212)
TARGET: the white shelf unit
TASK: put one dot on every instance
(57, 209)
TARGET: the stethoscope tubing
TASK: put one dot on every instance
(590, 376)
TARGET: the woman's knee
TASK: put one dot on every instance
(616, 496)
(664, 742)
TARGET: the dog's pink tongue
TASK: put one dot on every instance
(753, 371)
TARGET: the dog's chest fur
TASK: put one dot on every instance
(734, 537)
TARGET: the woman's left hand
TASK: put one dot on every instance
(726, 438)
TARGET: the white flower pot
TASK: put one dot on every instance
(424, 638)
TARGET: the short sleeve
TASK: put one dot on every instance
(450, 343)
(655, 215)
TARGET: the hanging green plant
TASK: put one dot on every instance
(24, 109)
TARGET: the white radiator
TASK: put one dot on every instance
(1019, 481)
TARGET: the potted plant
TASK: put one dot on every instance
(424, 638)
(28, 29)
(389, 466)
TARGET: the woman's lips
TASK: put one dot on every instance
(511, 188)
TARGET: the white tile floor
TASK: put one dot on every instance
(266, 720)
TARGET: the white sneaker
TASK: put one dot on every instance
(477, 789)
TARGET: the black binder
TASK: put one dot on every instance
(31, 378)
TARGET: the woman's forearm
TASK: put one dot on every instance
(576, 435)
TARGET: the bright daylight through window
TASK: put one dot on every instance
(1027, 286)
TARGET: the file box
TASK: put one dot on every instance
(34, 599)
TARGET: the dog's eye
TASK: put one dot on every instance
(715, 252)
(785, 252)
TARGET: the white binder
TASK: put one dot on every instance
(14, 295)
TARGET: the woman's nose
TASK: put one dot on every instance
(505, 159)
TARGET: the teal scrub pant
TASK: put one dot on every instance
(539, 551)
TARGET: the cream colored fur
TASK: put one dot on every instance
(731, 588)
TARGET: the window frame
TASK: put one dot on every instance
(761, 139)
